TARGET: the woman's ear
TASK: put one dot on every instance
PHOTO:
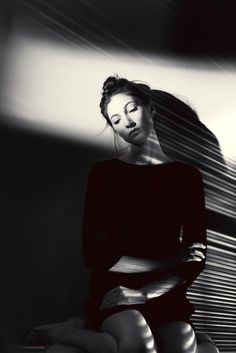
(152, 109)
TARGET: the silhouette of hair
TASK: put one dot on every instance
(181, 134)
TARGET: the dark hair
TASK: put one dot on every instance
(114, 85)
(182, 136)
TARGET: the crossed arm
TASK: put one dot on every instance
(125, 296)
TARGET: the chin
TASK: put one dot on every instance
(137, 142)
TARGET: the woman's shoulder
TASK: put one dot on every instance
(184, 172)
(186, 167)
(188, 174)
(103, 164)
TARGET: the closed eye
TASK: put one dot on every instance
(116, 122)
(133, 110)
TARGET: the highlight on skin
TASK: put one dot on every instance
(146, 334)
(190, 343)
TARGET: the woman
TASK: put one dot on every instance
(144, 240)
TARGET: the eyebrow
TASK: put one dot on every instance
(113, 116)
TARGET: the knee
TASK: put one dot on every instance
(205, 343)
(143, 341)
(202, 337)
(60, 348)
(140, 342)
(176, 336)
(185, 338)
(53, 348)
(131, 331)
(134, 346)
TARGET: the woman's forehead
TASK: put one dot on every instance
(119, 101)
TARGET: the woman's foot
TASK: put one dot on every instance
(54, 333)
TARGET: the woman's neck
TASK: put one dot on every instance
(150, 152)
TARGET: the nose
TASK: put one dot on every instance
(129, 123)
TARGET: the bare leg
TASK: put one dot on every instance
(61, 348)
(177, 337)
(127, 330)
(48, 333)
(207, 347)
(123, 332)
(205, 344)
(131, 331)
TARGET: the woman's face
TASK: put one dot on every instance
(130, 118)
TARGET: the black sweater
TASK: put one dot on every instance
(139, 210)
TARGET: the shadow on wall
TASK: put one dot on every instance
(184, 137)
(42, 188)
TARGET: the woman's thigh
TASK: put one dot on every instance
(175, 336)
(61, 348)
(131, 332)
(205, 344)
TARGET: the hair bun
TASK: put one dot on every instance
(110, 82)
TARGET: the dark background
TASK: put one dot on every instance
(43, 177)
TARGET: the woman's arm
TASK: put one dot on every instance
(194, 223)
(126, 296)
(101, 247)
(129, 264)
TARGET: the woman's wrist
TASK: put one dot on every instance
(165, 264)
(145, 294)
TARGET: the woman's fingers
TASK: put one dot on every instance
(115, 302)
(193, 258)
(195, 255)
(108, 304)
(197, 245)
(115, 291)
(195, 252)
(122, 296)
(108, 300)
(198, 253)
(112, 297)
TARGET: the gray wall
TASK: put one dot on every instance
(42, 188)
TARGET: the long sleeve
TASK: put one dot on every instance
(101, 247)
(194, 222)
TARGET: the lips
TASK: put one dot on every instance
(133, 131)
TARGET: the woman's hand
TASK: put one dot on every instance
(191, 253)
(123, 296)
